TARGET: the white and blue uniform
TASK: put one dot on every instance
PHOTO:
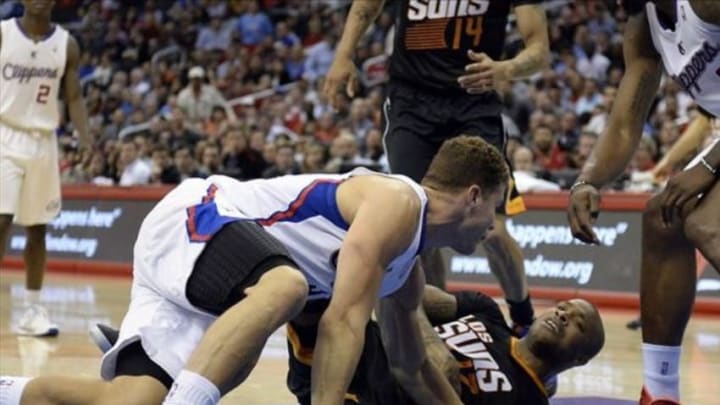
(31, 74)
(299, 211)
(691, 55)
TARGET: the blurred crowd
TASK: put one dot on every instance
(186, 88)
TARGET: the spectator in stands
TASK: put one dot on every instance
(133, 170)
(319, 57)
(214, 36)
(548, 155)
(327, 129)
(210, 162)
(238, 159)
(344, 153)
(197, 99)
(185, 163)
(254, 25)
(375, 150)
(586, 143)
(163, 169)
(315, 158)
(284, 162)
(525, 175)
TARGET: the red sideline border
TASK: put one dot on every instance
(612, 201)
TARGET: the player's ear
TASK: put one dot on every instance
(474, 195)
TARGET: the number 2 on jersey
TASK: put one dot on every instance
(43, 93)
(470, 26)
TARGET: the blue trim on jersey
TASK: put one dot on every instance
(317, 199)
(204, 220)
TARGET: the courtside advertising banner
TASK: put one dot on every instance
(90, 230)
(553, 258)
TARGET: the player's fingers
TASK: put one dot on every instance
(475, 80)
(575, 226)
(351, 86)
(478, 67)
(667, 205)
(477, 56)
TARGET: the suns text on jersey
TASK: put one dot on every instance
(419, 10)
(470, 336)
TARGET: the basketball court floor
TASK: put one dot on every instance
(77, 302)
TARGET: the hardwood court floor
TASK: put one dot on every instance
(76, 302)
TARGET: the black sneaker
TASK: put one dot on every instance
(104, 336)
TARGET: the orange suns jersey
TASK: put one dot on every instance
(433, 36)
(491, 371)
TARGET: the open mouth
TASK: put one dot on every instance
(552, 325)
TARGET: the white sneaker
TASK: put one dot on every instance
(35, 322)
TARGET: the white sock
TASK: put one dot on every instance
(661, 364)
(32, 297)
(192, 389)
(11, 389)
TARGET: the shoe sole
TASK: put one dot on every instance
(101, 341)
(52, 332)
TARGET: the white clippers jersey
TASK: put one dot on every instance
(30, 77)
(690, 53)
(302, 212)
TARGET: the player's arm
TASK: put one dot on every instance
(484, 73)
(73, 93)
(417, 357)
(617, 143)
(342, 70)
(636, 92)
(382, 227)
(689, 142)
(533, 28)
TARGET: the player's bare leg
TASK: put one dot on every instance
(56, 390)
(702, 226)
(35, 320)
(231, 346)
(5, 225)
(35, 256)
(667, 293)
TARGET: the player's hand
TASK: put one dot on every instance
(342, 73)
(661, 171)
(583, 211)
(682, 188)
(481, 75)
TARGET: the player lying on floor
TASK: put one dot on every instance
(471, 342)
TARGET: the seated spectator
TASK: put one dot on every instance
(524, 171)
(239, 160)
(197, 99)
(210, 162)
(185, 164)
(547, 153)
(344, 152)
(375, 150)
(326, 130)
(214, 36)
(583, 149)
(254, 25)
(315, 158)
(134, 170)
(320, 57)
(284, 162)
(163, 169)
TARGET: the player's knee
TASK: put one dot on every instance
(652, 219)
(294, 285)
(702, 229)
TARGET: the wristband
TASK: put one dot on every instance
(579, 184)
(707, 166)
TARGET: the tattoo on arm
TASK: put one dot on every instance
(645, 90)
(440, 311)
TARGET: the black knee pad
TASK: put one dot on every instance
(234, 259)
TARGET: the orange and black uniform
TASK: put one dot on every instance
(479, 338)
(425, 103)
